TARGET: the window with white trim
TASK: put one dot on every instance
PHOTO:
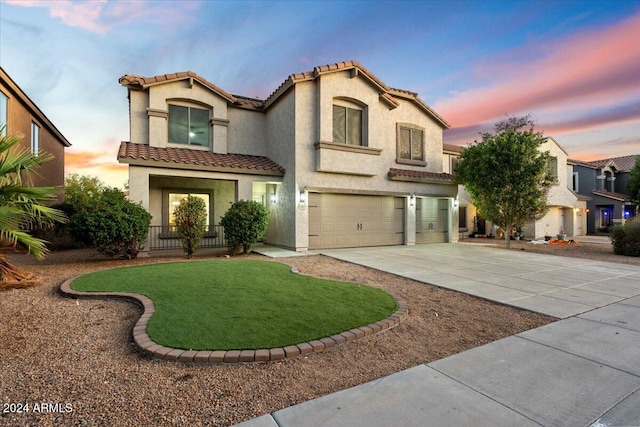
(35, 138)
(188, 125)
(410, 144)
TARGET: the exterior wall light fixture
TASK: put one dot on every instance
(274, 198)
(412, 200)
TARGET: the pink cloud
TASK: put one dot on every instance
(597, 66)
(99, 16)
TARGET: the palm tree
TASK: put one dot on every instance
(22, 207)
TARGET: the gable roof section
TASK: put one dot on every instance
(387, 94)
(144, 155)
(140, 83)
(32, 107)
(420, 176)
(621, 164)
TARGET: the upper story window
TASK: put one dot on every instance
(188, 125)
(347, 125)
(35, 138)
(552, 165)
(576, 182)
(410, 144)
(4, 101)
(454, 163)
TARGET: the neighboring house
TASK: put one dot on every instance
(339, 158)
(604, 182)
(21, 116)
(567, 210)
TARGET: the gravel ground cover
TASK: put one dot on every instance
(74, 363)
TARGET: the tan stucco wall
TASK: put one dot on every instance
(19, 119)
(247, 132)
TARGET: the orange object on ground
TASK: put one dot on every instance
(562, 242)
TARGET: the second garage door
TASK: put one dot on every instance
(432, 220)
(347, 221)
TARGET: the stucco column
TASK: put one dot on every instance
(410, 220)
(139, 193)
(454, 222)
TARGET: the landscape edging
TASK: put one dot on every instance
(147, 346)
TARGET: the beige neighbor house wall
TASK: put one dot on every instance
(566, 212)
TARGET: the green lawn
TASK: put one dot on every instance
(241, 304)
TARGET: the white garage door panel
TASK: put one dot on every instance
(340, 220)
(432, 220)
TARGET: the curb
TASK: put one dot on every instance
(148, 347)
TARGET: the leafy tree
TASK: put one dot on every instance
(506, 174)
(112, 224)
(633, 186)
(244, 224)
(22, 207)
(191, 222)
(80, 191)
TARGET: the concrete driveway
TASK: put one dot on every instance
(557, 286)
(580, 371)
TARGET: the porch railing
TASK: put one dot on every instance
(166, 237)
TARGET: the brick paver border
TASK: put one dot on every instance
(147, 346)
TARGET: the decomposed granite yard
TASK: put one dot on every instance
(77, 356)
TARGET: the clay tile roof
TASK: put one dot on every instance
(407, 173)
(243, 162)
(140, 82)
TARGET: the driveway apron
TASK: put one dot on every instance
(583, 370)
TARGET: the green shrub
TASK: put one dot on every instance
(244, 224)
(112, 224)
(191, 223)
(626, 238)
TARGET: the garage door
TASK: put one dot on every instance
(432, 220)
(347, 221)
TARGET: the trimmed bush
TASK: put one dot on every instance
(244, 224)
(112, 224)
(626, 238)
(191, 223)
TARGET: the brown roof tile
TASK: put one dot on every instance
(141, 82)
(169, 155)
(407, 173)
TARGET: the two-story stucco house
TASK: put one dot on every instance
(21, 116)
(567, 210)
(604, 182)
(339, 158)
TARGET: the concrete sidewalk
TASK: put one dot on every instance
(580, 371)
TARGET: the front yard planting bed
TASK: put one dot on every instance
(241, 304)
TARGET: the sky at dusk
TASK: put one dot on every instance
(574, 66)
